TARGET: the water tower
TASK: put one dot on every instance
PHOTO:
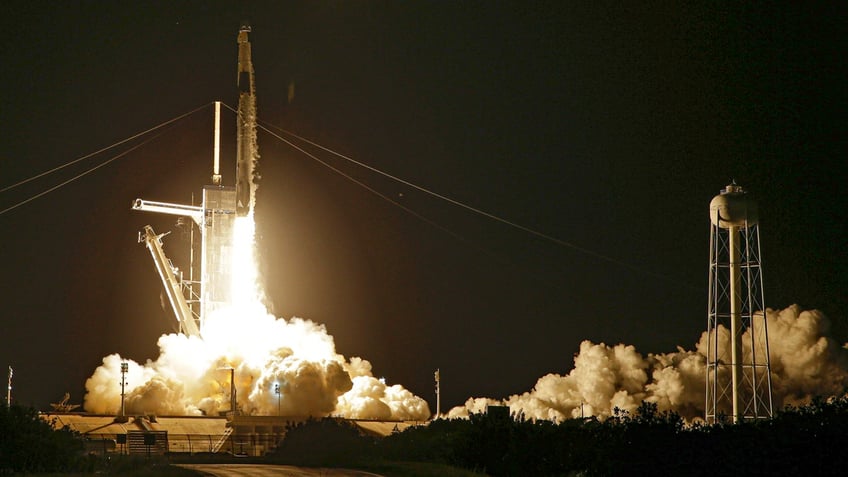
(738, 378)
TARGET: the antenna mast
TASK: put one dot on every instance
(9, 389)
(124, 368)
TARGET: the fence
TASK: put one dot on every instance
(142, 442)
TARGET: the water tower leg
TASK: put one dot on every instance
(735, 321)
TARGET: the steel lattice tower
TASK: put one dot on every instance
(738, 374)
(216, 217)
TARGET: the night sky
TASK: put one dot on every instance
(608, 127)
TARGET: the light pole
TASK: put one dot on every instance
(277, 390)
(124, 369)
(9, 389)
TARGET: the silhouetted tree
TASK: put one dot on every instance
(326, 441)
(808, 440)
(29, 444)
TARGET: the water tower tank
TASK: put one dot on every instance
(733, 208)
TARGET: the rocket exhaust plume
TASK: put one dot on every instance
(297, 355)
(289, 367)
(805, 362)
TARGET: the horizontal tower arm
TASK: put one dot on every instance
(195, 212)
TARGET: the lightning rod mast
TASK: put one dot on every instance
(9, 389)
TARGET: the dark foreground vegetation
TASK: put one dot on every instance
(28, 444)
(809, 440)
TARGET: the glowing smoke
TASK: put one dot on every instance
(191, 375)
(805, 362)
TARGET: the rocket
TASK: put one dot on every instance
(216, 216)
(247, 151)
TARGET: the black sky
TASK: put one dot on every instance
(606, 126)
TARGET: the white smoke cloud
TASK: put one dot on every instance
(473, 406)
(805, 362)
(191, 375)
(677, 382)
(287, 367)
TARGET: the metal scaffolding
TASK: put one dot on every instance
(738, 372)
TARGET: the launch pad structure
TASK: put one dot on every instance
(193, 301)
(236, 435)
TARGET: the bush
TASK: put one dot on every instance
(326, 441)
(29, 444)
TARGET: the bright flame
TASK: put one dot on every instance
(243, 279)
(297, 355)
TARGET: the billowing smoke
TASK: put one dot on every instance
(805, 362)
(192, 375)
(264, 354)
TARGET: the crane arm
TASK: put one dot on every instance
(170, 281)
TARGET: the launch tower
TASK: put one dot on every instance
(191, 300)
(738, 377)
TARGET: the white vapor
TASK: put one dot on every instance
(191, 376)
(805, 362)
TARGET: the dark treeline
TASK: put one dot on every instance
(809, 440)
(30, 444)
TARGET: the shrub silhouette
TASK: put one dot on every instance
(326, 441)
(28, 444)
